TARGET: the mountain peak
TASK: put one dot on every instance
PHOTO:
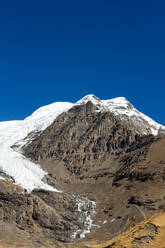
(121, 101)
(122, 108)
(88, 98)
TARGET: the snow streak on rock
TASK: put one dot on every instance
(87, 209)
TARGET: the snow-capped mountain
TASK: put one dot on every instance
(28, 174)
(122, 108)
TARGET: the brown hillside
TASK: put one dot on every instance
(149, 233)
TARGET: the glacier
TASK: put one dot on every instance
(24, 172)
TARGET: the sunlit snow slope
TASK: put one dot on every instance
(29, 175)
(24, 172)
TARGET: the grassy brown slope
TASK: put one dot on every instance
(149, 233)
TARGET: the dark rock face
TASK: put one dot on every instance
(84, 137)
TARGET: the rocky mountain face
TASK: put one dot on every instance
(107, 159)
(84, 137)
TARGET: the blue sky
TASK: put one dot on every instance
(62, 50)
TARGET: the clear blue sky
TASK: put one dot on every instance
(62, 50)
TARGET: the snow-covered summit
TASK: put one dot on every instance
(29, 175)
(88, 98)
(122, 108)
(97, 101)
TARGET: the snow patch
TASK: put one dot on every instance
(87, 209)
(2, 178)
(113, 220)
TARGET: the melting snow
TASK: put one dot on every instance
(87, 209)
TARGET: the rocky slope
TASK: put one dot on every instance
(41, 216)
(149, 233)
(106, 157)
